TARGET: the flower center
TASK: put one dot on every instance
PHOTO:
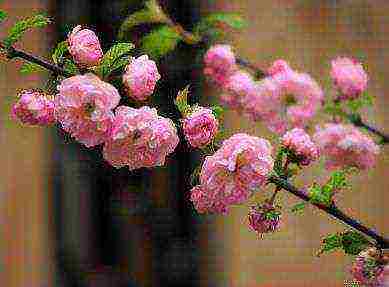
(89, 108)
(290, 100)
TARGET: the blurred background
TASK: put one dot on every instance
(69, 219)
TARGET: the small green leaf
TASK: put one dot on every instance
(20, 27)
(334, 108)
(365, 100)
(330, 243)
(195, 176)
(278, 164)
(353, 242)
(160, 42)
(272, 214)
(318, 195)
(3, 15)
(70, 66)
(113, 59)
(217, 111)
(181, 102)
(214, 25)
(29, 68)
(59, 52)
(298, 208)
(152, 13)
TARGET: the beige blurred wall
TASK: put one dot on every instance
(307, 34)
(25, 172)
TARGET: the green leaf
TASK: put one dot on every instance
(20, 27)
(181, 102)
(298, 208)
(214, 25)
(160, 42)
(195, 176)
(334, 108)
(70, 66)
(353, 242)
(152, 13)
(3, 15)
(278, 164)
(318, 195)
(365, 100)
(113, 59)
(59, 52)
(330, 243)
(29, 68)
(272, 214)
(217, 111)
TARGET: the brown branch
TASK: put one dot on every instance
(16, 53)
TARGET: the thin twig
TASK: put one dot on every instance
(381, 241)
(16, 53)
(357, 121)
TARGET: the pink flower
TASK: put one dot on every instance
(200, 127)
(236, 87)
(84, 46)
(287, 99)
(264, 218)
(346, 146)
(279, 66)
(34, 108)
(367, 269)
(141, 77)
(140, 138)
(349, 77)
(219, 63)
(84, 108)
(233, 173)
(299, 143)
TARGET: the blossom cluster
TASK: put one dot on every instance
(231, 175)
(87, 108)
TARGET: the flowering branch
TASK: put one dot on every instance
(382, 242)
(16, 53)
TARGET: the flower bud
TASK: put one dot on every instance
(84, 46)
(34, 108)
(141, 77)
(264, 218)
(200, 127)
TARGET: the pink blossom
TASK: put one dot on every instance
(349, 77)
(287, 99)
(34, 108)
(367, 268)
(84, 108)
(235, 88)
(300, 144)
(141, 77)
(200, 127)
(85, 47)
(278, 66)
(346, 146)
(219, 63)
(264, 218)
(140, 138)
(233, 173)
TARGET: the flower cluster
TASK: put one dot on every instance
(140, 138)
(84, 107)
(369, 270)
(264, 218)
(284, 99)
(345, 146)
(299, 143)
(233, 173)
(349, 77)
(200, 127)
(34, 107)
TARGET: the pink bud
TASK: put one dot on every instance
(85, 47)
(200, 127)
(264, 218)
(34, 108)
